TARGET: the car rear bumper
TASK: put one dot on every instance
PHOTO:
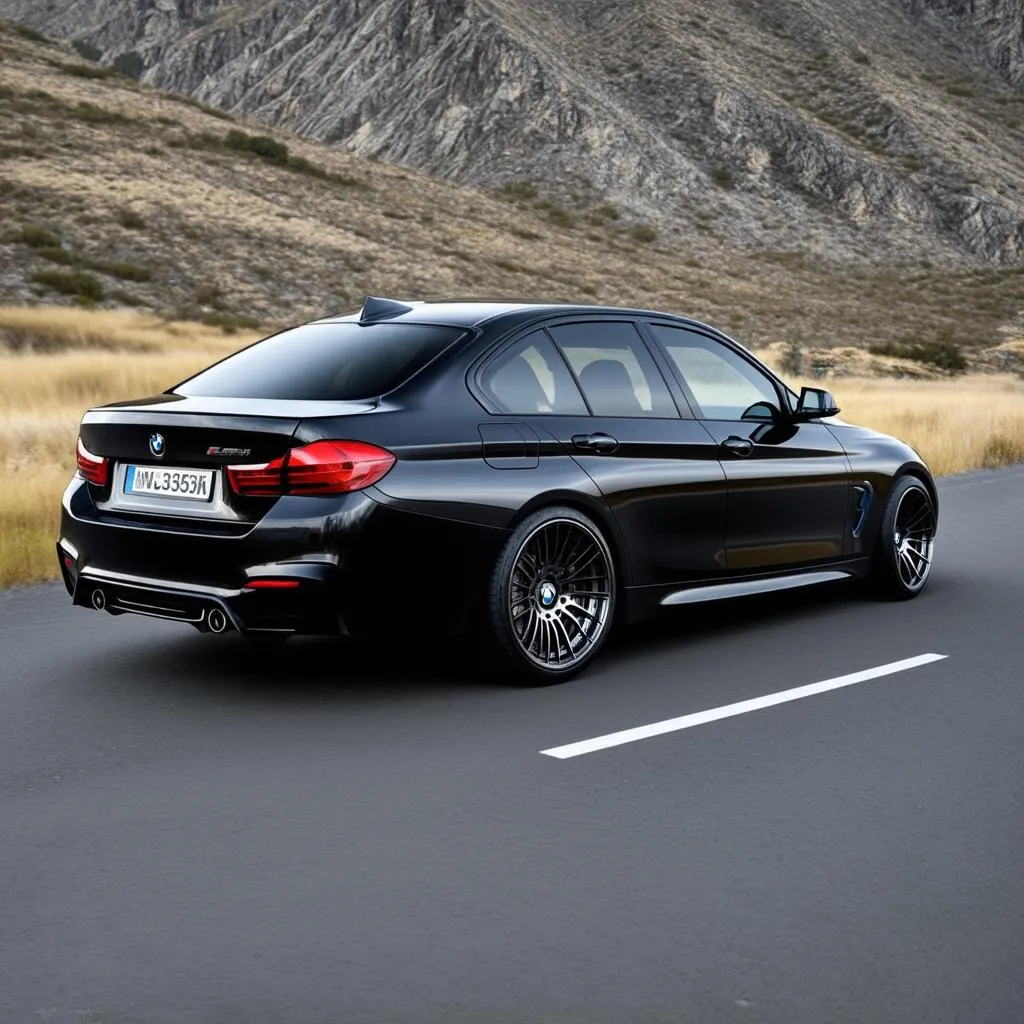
(303, 606)
(350, 563)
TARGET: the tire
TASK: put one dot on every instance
(903, 553)
(544, 626)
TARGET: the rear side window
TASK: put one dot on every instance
(530, 378)
(334, 362)
(615, 370)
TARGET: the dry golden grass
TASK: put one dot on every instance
(972, 421)
(956, 425)
(92, 357)
(62, 329)
(69, 360)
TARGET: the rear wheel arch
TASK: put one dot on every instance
(594, 510)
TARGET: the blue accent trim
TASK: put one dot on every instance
(867, 494)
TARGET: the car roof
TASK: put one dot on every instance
(475, 313)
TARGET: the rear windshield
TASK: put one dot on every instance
(336, 362)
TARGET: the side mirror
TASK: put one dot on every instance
(815, 404)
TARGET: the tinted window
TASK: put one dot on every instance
(325, 362)
(531, 377)
(615, 370)
(724, 384)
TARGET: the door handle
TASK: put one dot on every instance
(595, 442)
(738, 446)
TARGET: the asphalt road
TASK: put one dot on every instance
(195, 833)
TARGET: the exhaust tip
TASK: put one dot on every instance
(216, 620)
(98, 599)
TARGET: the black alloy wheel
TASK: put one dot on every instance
(552, 597)
(903, 558)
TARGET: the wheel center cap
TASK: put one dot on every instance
(546, 594)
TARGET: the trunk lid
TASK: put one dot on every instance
(195, 433)
(262, 429)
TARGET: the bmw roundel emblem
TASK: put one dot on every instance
(547, 595)
(157, 444)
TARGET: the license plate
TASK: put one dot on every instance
(164, 482)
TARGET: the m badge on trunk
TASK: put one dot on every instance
(229, 453)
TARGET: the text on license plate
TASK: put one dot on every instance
(192, 484)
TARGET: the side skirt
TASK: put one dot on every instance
(643, 602)
(747, 588)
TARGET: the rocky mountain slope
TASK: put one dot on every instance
(990, 32)
(860, 131)
(114, 193)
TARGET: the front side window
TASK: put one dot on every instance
(329, 362)
(530, 378)
(614, 368)
(724, 384)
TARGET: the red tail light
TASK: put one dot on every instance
(95, 468)
(324, 467)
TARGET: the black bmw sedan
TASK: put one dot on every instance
(524, 473)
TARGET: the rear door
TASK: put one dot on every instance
(789, 483)
(595, 390)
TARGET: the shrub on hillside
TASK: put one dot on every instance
(517, 190)
(125, 271)
(87, 71)
(942, 352)
(76, 282)
(130, 219)
(723, 177)
(263, 146)
(563, 218)
(210, 295)
(86, 50)
(89, 112)
(37, 237)
(130, 64)
(55, 254)
(31, 34)
(791, 359)
(643, 233)
(205, 108)
(301, 165)
(229, 323)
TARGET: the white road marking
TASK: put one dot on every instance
(643, 732)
